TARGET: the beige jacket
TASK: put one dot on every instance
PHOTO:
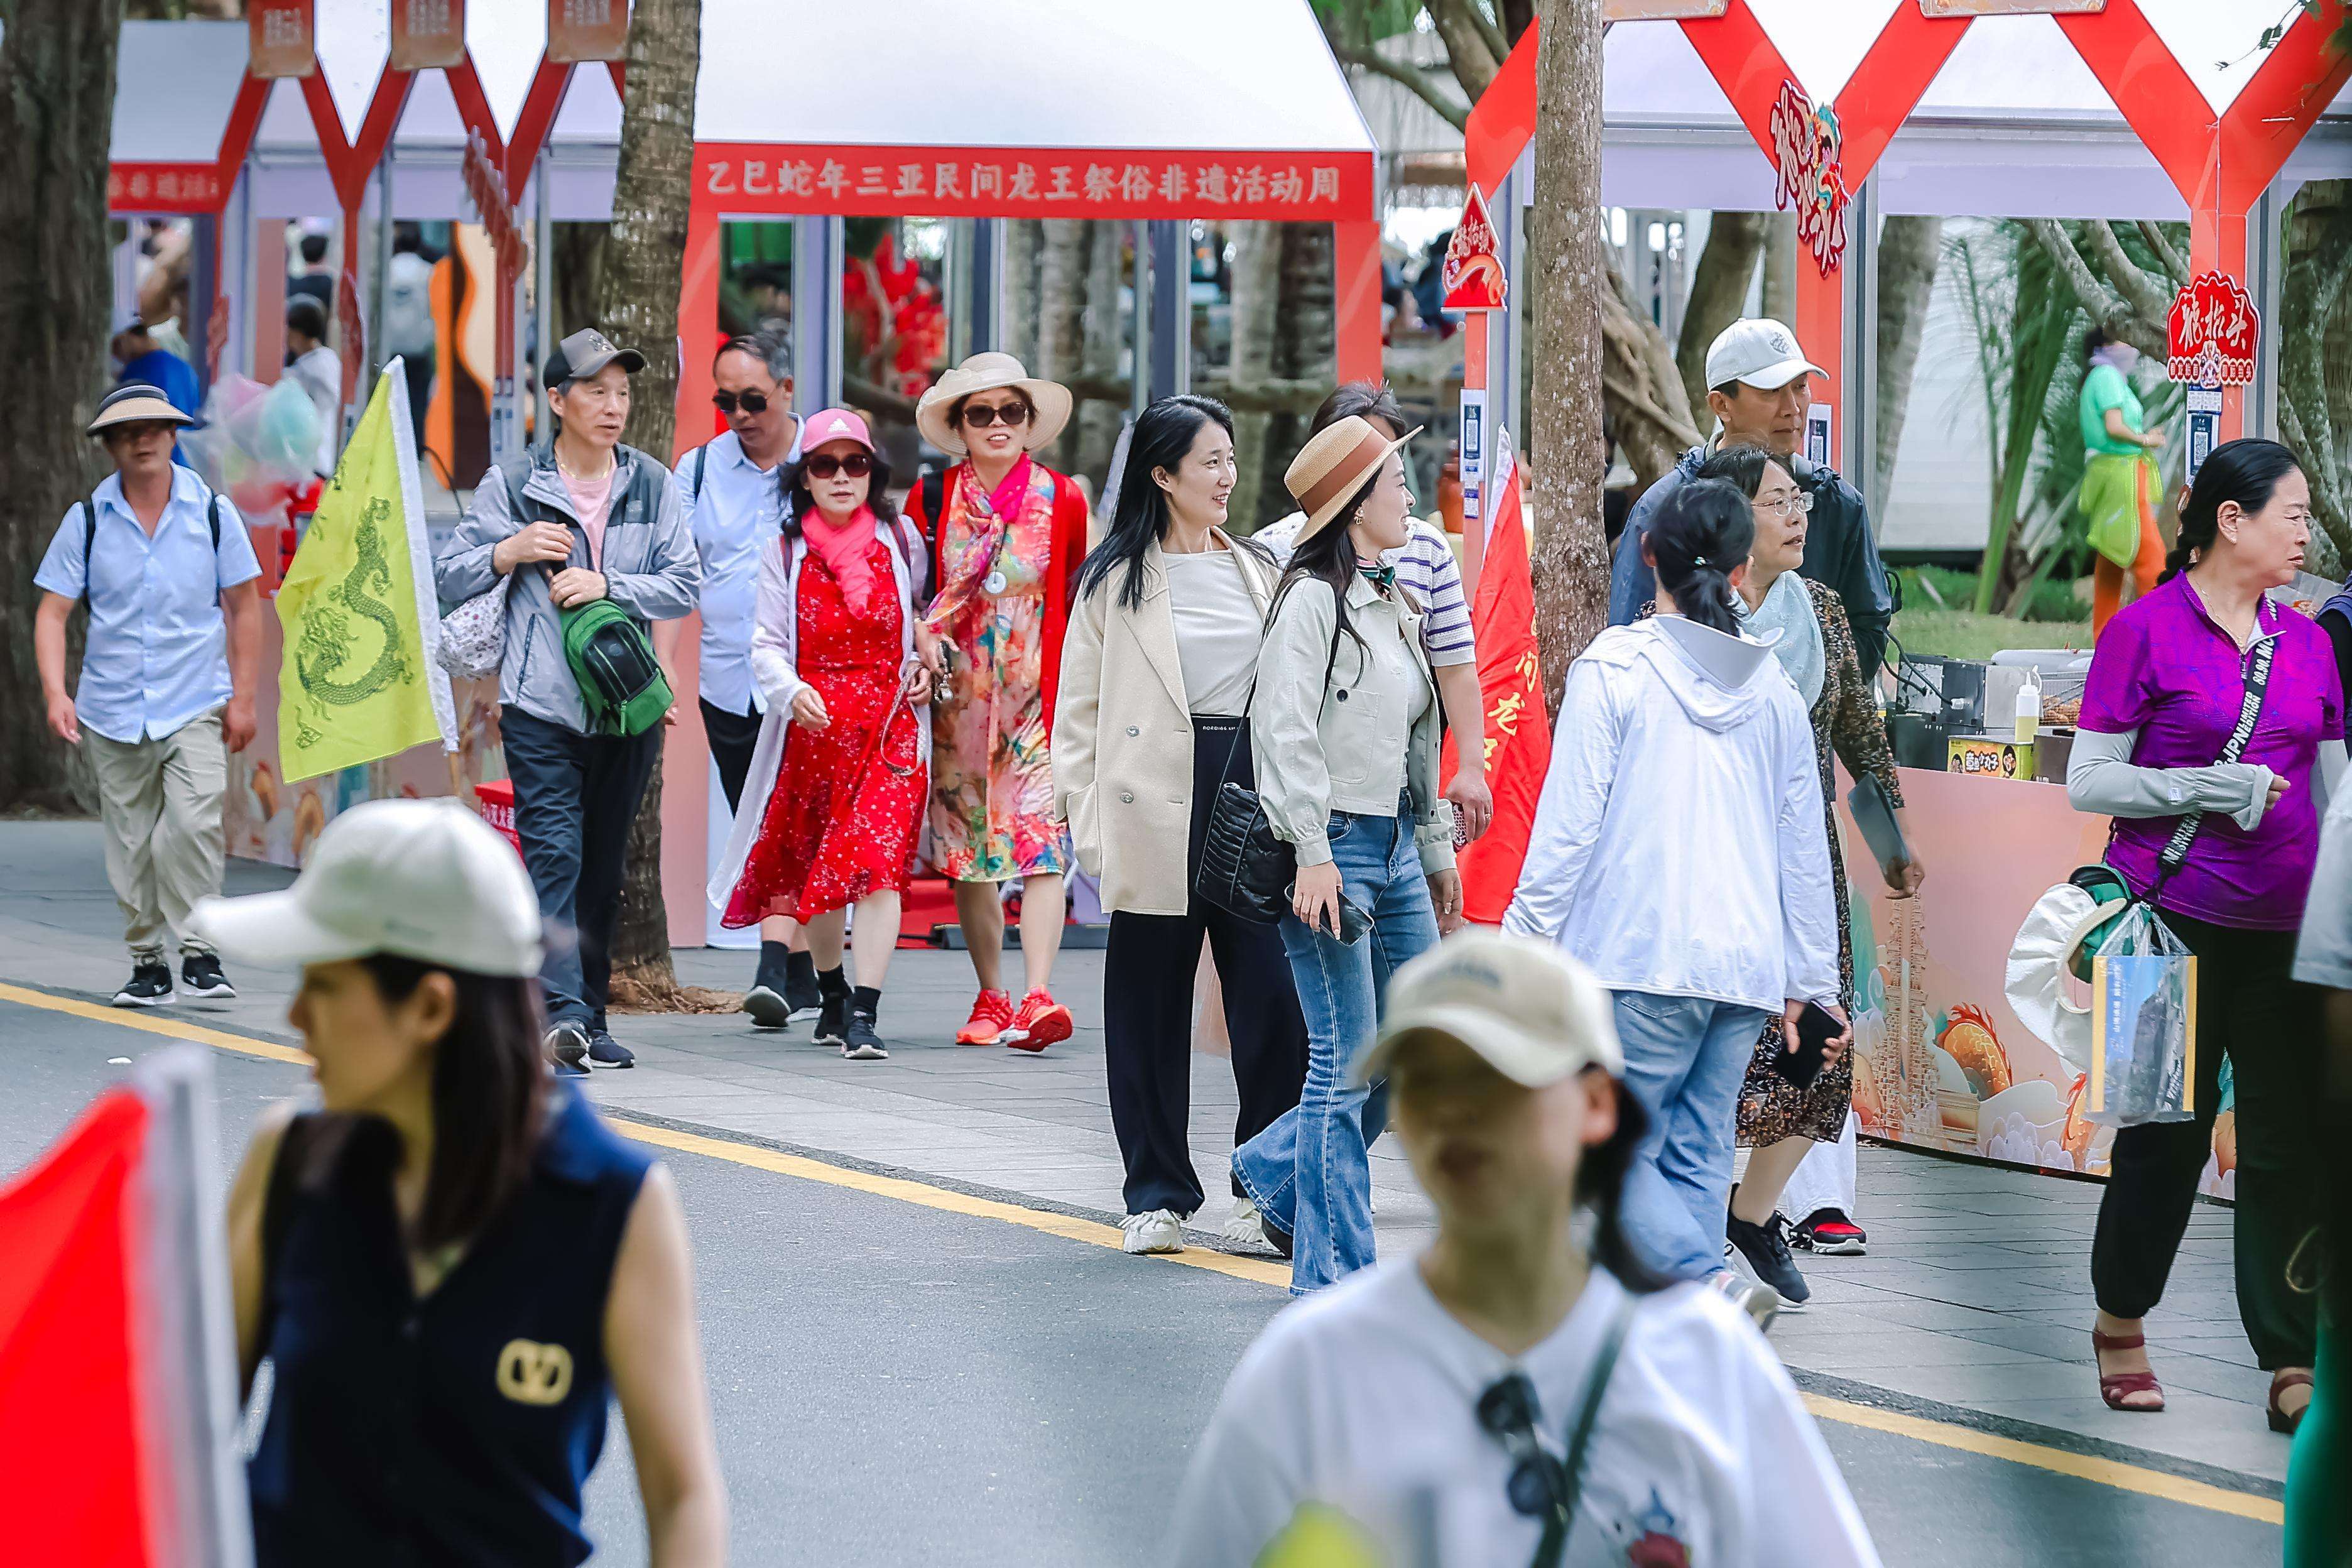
(1122, 744)
(1336, 745)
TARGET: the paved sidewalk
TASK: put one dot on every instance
(1976, 1293)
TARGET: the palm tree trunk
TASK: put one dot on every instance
(1908, 250)
(1718, 295)
(1099, 422)
(636, 305)
(1781, 269)
(1257, 295)
(1566, 280)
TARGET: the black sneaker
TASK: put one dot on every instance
(767, 1006)
(859, 1043)
(604, 1051)
(1764, 1248)
(150, 986)
(832, 1022)
(200, 976)
(802, 997)
(567, 1047)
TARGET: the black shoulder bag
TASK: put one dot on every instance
(1245, 870)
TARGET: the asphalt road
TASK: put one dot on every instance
(895, 1383)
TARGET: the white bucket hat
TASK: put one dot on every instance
(1049, 401)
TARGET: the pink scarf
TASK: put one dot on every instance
(844, 551)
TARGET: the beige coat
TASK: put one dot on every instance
(1122, 744)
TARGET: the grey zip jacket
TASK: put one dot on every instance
(651, 570)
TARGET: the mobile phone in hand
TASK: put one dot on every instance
(1816, 1027)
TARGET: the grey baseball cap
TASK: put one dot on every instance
(585, 353)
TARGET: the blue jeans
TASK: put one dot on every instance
(1686, 1058)
(1309, 1172)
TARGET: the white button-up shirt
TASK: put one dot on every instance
(737, 512)
(158, 650)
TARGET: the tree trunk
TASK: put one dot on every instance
(1061, 318)
(1025, 237)
(578, 277)
(1644, 411)
(1568, 281)
(644, 260)
(1718, 295)
(2319, 254)
(1908, 250)
(1097, 424)
(57, 112)
(1781, 269)
(1258, 293)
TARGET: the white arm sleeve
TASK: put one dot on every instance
(1568, 813)
(2100, 777)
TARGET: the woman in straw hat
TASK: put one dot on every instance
(1007, 535)
(454, 1265)
(1344, 729)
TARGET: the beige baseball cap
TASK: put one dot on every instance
(426, 880)
(1534, 1013)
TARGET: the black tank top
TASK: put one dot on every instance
(454, 1429)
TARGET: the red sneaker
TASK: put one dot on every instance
(1040, 1023)
(1831, 1232)
(991, 1011)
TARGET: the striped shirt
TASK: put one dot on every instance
(1424, 563)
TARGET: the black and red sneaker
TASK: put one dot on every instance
(1829, 1233)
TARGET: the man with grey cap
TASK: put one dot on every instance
(1761, 387)
(167, 677)
(580, 519)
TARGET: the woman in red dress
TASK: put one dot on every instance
(840, 764)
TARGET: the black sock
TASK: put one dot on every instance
(800, 969)
(774, 964)
(867, 1000)
(832, 983)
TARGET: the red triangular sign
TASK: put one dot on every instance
(1472, 273)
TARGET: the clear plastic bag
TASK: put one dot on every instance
(2142, 1025)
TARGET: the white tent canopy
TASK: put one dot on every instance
(175, 84)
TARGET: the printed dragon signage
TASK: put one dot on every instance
(1806, 150)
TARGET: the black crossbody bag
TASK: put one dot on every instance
(1245, 870)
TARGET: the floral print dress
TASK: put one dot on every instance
(992, 780)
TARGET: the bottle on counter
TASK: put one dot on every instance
(2029, 709)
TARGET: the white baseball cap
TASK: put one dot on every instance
(426, 880)
(1535, 1015)
(1760, 351)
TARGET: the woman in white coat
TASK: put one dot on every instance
(837, 788)
(1158, 668)
(1677, 850)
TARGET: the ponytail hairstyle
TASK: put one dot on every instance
(2247, 472)
(1601, 1186)
(1705, 531)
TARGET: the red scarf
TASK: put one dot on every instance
(845, 552)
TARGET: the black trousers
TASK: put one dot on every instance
(2268, 1024)
(733, 738)
(1147, 975)
(576, 797)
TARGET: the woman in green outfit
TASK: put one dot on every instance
(2319, 1472)
(2119, 480)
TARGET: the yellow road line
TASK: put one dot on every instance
(2106, 1472)
(1967, 1439)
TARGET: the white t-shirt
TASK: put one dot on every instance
(320, 372)
(1364, 1398)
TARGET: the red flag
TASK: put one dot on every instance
(74, 1483)
(1511, 681)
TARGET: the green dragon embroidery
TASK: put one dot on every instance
(326, 647)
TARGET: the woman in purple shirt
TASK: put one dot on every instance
(2165, 689)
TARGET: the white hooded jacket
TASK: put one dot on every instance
(1677, 847)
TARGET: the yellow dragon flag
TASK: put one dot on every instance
(359, 680)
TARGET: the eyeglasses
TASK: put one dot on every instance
(1507, 1411)
(751, 402)
(1789, 503)
(857, 464)
(981, 415)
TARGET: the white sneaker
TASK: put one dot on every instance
(1759, 1301)
(1159, 1231)
(1244, 1228)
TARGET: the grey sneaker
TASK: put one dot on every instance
(567, 1047)
(768, 1008)
(604, 1051)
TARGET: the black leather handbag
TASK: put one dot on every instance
(1245, 870)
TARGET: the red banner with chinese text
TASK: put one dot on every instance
(164, 188)
(963, 181)
(1510, 684)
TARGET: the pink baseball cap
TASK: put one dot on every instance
(833, 425)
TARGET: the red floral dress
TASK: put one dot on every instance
(841, 824)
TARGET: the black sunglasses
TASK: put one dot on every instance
(857, 464)
(752, 401)
(1508, 1412)
(981, 415)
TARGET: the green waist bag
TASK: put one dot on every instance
(621, 682)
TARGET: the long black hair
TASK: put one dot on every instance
(2247, 472)
(1365, 399)
(1329, 557)
(1706, 529)
(1601, 1186)
(1739, 466)
(1163, 437)
(799, 502)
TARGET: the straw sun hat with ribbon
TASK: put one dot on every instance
(1332, 466)
(135, 403)
(1049, 402)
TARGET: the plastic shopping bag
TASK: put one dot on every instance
(2142, 1025)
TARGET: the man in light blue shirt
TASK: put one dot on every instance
(731, 492)
(167, 677)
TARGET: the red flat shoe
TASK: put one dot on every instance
(2116, 1386)
(2280, 1382)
